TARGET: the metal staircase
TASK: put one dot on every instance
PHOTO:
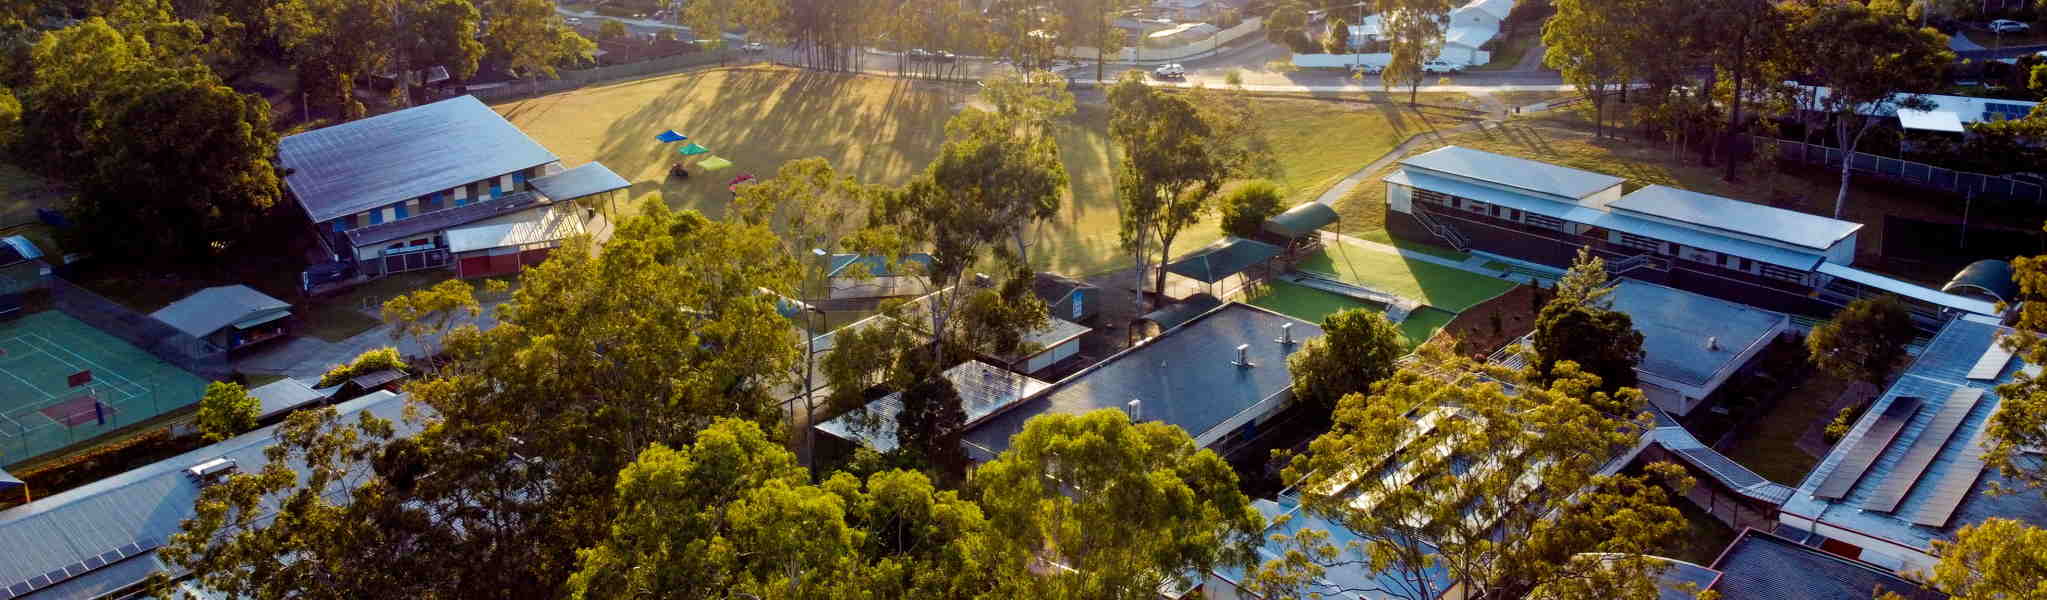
(1442, 230)
(1640, 261)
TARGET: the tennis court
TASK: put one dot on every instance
(63, 382)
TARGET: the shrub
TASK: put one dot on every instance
(1245, 209)
(369, 362)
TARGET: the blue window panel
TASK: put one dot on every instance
(340, 225)
(495, 192)
(377, 216)
(400, 210)
(518, 181)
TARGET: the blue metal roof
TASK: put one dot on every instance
(877, 266)
(1735, 217)
(1941, 368)
(359, 165)
(1763, 566)
(119, 520)
(1624, 223)
(1910, 290)
(1534, 176)
(587, 180)
(1184, 377)
(1675, 325)
(1348, 574)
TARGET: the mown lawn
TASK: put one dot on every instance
(884, 130)
(1554, 139)
(1442, 287)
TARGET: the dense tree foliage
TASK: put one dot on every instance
(1578, 326)
(1414, 32)
(225, 411)
(1356, 349)
(1865, 341)
(1175, 159)
(2019, 427)
(1450, 472)
(1865, 59)
(1997, 559)
(1122, 507)
(1246, 207)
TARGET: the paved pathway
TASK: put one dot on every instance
(306, 357)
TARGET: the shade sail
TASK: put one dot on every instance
(713, 163)
(671, 136)
(692, 150)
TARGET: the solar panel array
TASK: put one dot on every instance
(1998, 110)
(1949, 491)
(1871, 444)
(1929, 443)
(24, 587)
(1991, 363)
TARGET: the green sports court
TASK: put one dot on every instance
(63, 381)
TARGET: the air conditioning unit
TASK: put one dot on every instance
(211, 469)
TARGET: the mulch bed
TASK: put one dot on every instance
(1473, 333)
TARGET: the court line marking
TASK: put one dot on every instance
(97, 368)
(126, 395)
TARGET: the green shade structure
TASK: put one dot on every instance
(713, 163)
(692, 150)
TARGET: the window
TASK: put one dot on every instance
(400, 212)
(1545, 222)
(376, 217)
(1781, 273)
(1513, 214)
(420, 242)
(340, 225)
(1639, 242)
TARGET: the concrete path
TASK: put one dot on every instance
(307, 358)
(1532, 61)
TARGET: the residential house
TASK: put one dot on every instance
(100, 540)
(366, 184)
(229, 317)
(1776, 259)
(1947, 114)
(1911, 472)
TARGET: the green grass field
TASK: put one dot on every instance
(1435, 285)
(1313, 305)
(884, 130)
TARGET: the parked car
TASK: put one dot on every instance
(944, 56)
(324, 274)
(575, 20)
(1366, 69)
(754, 47)
(2009, 26)
(919, 54)
(1441, 66)
(1170, 71)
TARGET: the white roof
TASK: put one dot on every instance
(1499, 9)
(1908, 290)
(525, 227)
(1541, 177)
(1471, 35)
(1737, 217)
(283, 396)
(1202, 28)
(1964, 109)
(210, 309)
(1930, 120)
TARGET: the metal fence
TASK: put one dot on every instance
(582, 77)
(145, 332)
(1961, 183)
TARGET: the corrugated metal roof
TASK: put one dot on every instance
(1763, 566)
(211, 309)
(984, 389)
(1910, 290)
(1534, 176)
(542, 225)
(1349, 574)
(1301, 221)
(131, 512)
(1226, 257)
(1735, 217)
(440, 220)
(356, 166)
(1187, 309)
(589, 179)
(1933, 378)
(1056, 332)
(1185, 377)
(283, 395)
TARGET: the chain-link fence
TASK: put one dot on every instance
(91, 367)
(155, 337)
(1961, 183)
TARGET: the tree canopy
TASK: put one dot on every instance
(1357, 348)
(225, 411)
(2020, 423)
(1578, 326)
(1865, 341)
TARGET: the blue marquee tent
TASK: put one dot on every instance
(671, 136)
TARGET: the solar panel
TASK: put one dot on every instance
(2008, 111)
(1929, 443)
(1948, 492)
(1991, 363)
(1858, 458)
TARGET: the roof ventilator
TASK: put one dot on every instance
(1243, 356)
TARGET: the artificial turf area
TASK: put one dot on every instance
(1313, 305)
(1438, 286)
(884, 130)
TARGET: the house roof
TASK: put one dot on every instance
(1226, 257)
(546, 224)
(1763, 566)
(984, 389)
(1053, 287)
(1954, 465)
(1728, 216)
(1988, 276)
(211, 309)
(282, 396)
(1497, 8)
(1187, 309)
(1676, 573)
(1541, 177)
(1185, 377)
(426, 223)
(102, 536)
(1963, 109)
(1930, 120)
(359, 165)
(587, 180)
(1055, 332)
(1676, 325)
(1301, 221)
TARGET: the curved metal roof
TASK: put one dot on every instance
(1989, 276)
(1301, 221)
